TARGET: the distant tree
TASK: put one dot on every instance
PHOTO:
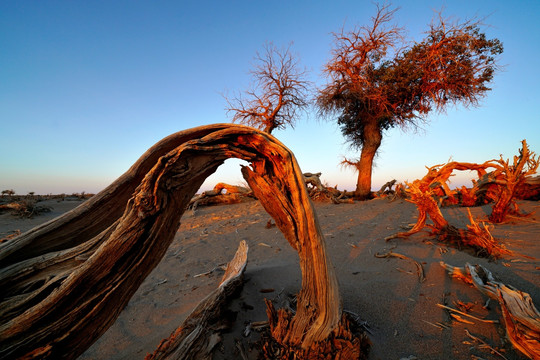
(8, 192)
(279, 92)
(376, 81)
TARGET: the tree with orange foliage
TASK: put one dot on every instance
(280, 92)
(377, 82)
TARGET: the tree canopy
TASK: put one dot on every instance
(376, 80)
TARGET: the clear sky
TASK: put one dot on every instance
(86, 87)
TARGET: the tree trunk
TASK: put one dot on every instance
(372, 141)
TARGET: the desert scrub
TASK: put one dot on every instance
(25, 208)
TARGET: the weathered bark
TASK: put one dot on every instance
(234, 194)
(474, 237)
(319, 192)
(342, 342)
(521, 318)
(200, 332)
(529, 190)
(386, 189)
(512, 177)
(319, 304)
(372, 142)
(65, 282)
(314, 179)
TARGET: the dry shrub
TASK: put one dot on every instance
(25, 208)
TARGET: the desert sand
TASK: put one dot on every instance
(399, 312)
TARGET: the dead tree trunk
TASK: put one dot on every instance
(474, 237)
(199, 333)
(234, 195)
(511, 178)
(65, 282)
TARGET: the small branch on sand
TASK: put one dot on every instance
(483, 343)
(467, 315)
(220, 266)
(419, 267)
(13, 234)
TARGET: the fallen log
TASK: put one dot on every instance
(198, 335)
(319, 192)
(233, 195)
(65, 282)
(314, 179)
(386, 189)
(521, 318)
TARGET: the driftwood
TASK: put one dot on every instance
(499, 185)
(386, 189)
(200, 332)
(529, 190)
(475, 237)
(65, 282)
(503, 184)
(25, 208)
(521, 318)
(233, 195)
(511, 177)
(319, 192)
(314, 179)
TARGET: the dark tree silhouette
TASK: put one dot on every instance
(279, 91)
(376, 81)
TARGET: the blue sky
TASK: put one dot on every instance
(86, 87)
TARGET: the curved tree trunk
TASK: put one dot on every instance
(372, 142)
(86, 222)
(65, 282)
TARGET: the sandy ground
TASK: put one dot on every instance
(385, 293)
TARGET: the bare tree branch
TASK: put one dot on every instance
(280, 92)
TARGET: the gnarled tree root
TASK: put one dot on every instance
(347, 341)
(475, 237)
(521, 318)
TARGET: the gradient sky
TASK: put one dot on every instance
(86, 87)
